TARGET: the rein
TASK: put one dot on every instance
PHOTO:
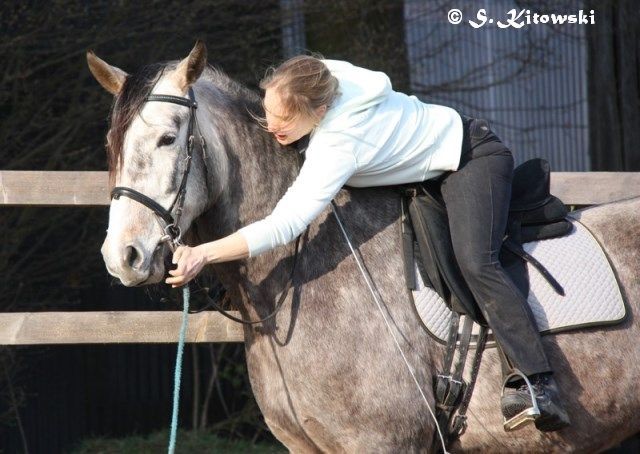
(378, 300)
(278, 306)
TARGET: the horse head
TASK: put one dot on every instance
(233, 175)
(147, 147)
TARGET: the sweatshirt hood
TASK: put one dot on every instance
(359, 90)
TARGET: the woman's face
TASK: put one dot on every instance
(286, 131)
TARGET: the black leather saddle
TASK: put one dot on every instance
(534, 215)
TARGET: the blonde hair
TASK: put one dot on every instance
(304, 83)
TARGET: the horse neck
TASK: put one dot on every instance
(258, 175)
(249, 172)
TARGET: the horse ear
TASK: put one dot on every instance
(111, 78)
(190, 68)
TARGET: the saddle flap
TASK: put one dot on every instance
(431, 226)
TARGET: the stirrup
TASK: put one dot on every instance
(526, 416)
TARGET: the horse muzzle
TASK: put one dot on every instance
(135, 263)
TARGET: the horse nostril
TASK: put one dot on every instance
(132, 256)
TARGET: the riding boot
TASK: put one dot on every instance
(516, 399)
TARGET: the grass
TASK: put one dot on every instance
(187, 442)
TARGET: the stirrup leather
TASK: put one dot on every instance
(526, 416)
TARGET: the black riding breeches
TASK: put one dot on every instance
(477, 198)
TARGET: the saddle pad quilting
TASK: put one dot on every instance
(592, 295)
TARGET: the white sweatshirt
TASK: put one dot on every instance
(370, 136)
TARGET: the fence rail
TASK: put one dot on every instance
(140, 327)
(90, 188)
(84, 188)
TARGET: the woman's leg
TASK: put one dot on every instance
(477, 198)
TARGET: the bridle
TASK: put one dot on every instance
(171, 216)
(171, 220)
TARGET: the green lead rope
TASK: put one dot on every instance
(178, 370)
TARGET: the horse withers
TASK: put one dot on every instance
(325, 372)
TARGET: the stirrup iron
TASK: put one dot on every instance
(526, 416)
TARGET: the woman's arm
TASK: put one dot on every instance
(232, 247)
(320, 178)
(322, 175)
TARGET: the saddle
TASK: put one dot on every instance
(534, 214)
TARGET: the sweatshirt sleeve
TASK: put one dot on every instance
(322, 175)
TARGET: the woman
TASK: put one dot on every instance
(363, 133)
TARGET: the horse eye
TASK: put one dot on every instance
(166, 139)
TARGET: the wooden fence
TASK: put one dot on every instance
(41, 188)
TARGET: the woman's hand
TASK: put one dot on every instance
(190, 261)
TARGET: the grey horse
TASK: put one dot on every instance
(326, 372)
